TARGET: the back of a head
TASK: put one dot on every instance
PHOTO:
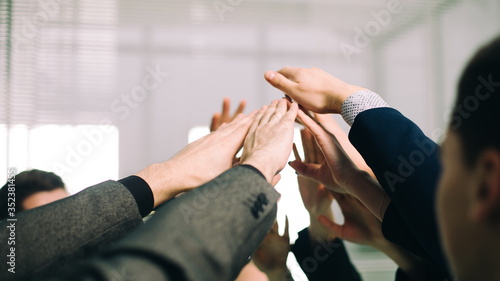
(476, 115)
(28, 183)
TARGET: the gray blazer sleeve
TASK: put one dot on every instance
(206, 234)
(54, 236)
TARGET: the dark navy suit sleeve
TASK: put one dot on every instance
(326, 261)
(407, 165)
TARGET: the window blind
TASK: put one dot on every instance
(57, 61)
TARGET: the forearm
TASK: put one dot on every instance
(316, 230)
(369, 192)
(280, 275)
(413, 267)
(53, 236)
(330, 258)
(188, 241)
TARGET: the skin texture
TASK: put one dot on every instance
(212, 154)
(44, 197)
(339, 173)
(468, 204)
(312, 88)
(270, 137)
(270, 257)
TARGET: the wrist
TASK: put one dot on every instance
(339, 96)
(318, 232)
(162, 187)
(282, 274)
(267, 170)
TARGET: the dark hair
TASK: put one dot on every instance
(476, 115)
(26, 184)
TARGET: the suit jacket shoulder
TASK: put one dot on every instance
(56, 235)
(206, 234)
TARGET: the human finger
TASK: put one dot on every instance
(216, 121)
(281, 109)
(322, 137)
(291, 114)
(308, 145)
(226, 105)
(269, 112)
(281, 82)
(257, 118)
(276, 179)
(286, 234)
(296, 153)
(331, 226)
(241, 108)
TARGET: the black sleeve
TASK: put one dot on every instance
(407, 165)
(142, 193)
(326, 261)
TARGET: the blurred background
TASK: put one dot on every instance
(98, 89)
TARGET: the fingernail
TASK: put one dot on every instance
(297, 173)
(270, 75)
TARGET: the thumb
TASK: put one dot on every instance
(280, 82)
(308, 170)
(333, 228)
(275, 180)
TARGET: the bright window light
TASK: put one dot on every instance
(81, 155)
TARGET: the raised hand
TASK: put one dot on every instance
(199, 162)
(360, 225)
(225, 117)
(312, 88)
(270, 257)
(335, 166)
(316, 197)
(269, 140)
(347, 177)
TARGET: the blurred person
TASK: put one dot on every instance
(108, 211)
(34, 188)
(468, 198)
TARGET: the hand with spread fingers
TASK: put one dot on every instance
(345, 176)
(213, 154)
(335, 167)
(316, 197)
(270, 257)
(312, 88)
(225, 117)
(269, 141)
(360, 225)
